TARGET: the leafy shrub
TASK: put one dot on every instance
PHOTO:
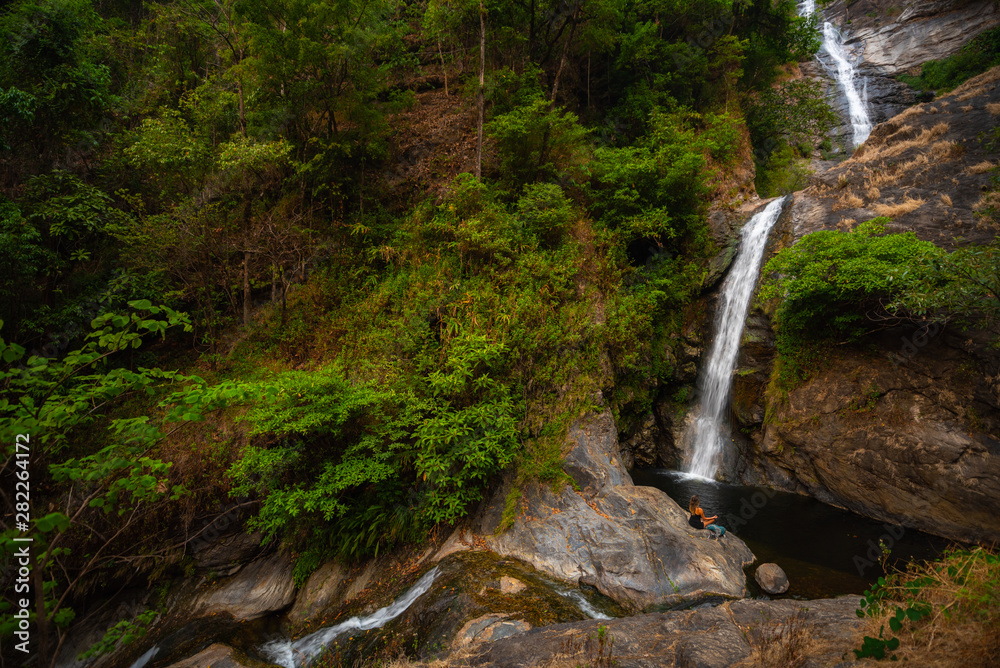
(545, 211)
(782, 173)
(538, 142)
(655, 189)
(362, 466)
(830, 282)
(946, 607)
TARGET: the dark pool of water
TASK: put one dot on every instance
(824, 550)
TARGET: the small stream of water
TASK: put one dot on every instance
(293, 654)
(716, 380)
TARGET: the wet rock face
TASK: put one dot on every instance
(633, 544)
(904, 432)
(887, 97)
(922, 31)
(733, 634)
(771, 578)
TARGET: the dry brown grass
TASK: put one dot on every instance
(880, 177)
(872, 193)
(967, 108)
(980, 167)
(912, 111)
(946, 150)
(848, 201)
(945, 200)
(960, 593)
(912, 165)
(977, 85)
(993, 108)
(892, 210)
(988, 200)
(783, 643)
(890, 149)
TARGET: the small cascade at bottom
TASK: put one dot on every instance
(301, 652)
(716, 378)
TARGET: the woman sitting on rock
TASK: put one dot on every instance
(699, 521)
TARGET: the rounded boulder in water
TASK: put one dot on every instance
(771, 578)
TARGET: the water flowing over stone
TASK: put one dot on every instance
(846, 75)
(581, 602)
(146, 657)
(717, 377)
(301, 652)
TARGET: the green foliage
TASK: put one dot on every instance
(977, 56)
(830, 282)
(121, 634)
(53, 88)
(946, 598)
(793, 113)
(782, 174)
(537, 142)
(546, 212)
(963, 285)
(59, 400)
(387, 462)
(655, 190)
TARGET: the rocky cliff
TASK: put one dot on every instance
(904, 429)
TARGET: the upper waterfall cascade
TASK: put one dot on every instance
(717, 377)
(844, 70)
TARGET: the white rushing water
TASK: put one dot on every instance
(582, 603)
(146, 658)
(717, 377)
(299, 653)
(847, 76)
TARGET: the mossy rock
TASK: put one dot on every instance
(472, 587)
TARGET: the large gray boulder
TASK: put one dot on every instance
(739, 633)
(771, 578)
(631, 543)
(264, 586)
(216, 655)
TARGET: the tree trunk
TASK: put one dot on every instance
(284, 289)
(480, 100)
(443, 70)
(246, 287)
(565, 53)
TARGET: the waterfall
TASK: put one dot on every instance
(717, 376)
(857, 101)
(290, 654)
(846, 75)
